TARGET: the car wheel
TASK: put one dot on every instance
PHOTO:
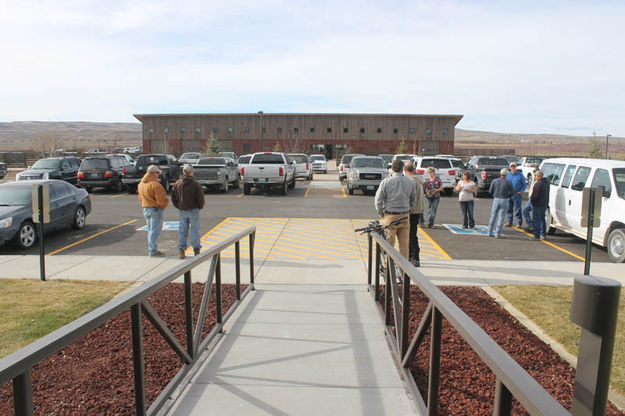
(247, 188)
(80, 217)
(226, 186)
(616, 245)
(26, 236)
(549, 228)
(119, 187)
(292, 184)
(132, 189)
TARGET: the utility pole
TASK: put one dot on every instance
(606, 145)
(260, 113)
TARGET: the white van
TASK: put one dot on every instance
(568, 177)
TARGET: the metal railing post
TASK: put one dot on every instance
(218, 292)
(188, 312)
(387, 292)
(435, 362)
(405, 314)
(369, 260)
(137, 358)
(251, 244)
(237, 269)
(503, 400)
(377, 271)
(23, 394)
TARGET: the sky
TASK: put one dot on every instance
(510, 67)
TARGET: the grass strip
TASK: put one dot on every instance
(31, 308)
(549, 308)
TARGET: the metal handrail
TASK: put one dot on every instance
(17, 366)
(511, 379)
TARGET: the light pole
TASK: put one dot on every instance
(606, 145)
(260, 113)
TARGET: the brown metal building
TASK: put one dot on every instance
(329, 134)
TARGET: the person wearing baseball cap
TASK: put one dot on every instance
(188, 196)
(153, 201)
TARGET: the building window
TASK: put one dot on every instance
(379, 129)
(279, 129)
(295, 129)
(166, 130)
(396, 130)
(411, 130)
(151, 130)
(445, 131)
(345, 130)
(264, 129)
(183, 130)
(428, 132)
(247, 148)
(329, 129)
(214, 129)
(312, 129)
(197, 130)
(362, 130)
(230, 130)
(246, 129)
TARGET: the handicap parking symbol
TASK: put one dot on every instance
(167, 226)
(457, 229)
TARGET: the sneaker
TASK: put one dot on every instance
(543, 237)
(157, 254)
(500, 236)
(464, 227)
(196, 251)
(430, 225)
(415, 263)
(473, 227)
(181, 254)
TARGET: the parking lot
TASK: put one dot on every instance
(314, 219)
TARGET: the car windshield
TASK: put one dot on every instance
(244, 159)
(387, 158)
(457, 164)
(619, 179)
(94, 164)
(299, 158)
(231, 155)
(212, 161)
(15, 196)
(436, 163)
(269, 159)
(346, 159)
(494, 161)
(317, 158)
(152, 160)
(190, 156)
(47, 164)
(369, 163)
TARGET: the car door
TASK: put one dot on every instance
(574, 207)
(603, 178)
(564, 196)
(62, 205)
(68, 171)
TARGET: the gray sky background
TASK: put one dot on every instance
(526, 67)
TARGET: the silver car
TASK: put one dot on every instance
(366, 173)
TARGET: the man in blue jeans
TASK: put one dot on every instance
(540, 202)
(516, 201)
(501, 190)
(188, 196)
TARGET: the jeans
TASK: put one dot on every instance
(527, 213)
(189, 218)
(154, 222)
(539, 221)
(413, 240)
(497, 215)
(467, 213)
(514, 207)
(432, 207)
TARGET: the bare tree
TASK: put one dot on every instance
(46, 143)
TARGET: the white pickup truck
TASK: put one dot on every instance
(268, 170)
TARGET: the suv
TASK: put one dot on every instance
(64, 168)
(344, 165)
(303, 169)
(443, 169)
(366, 173)
(319, 163)
(102, 172)
(485, 169)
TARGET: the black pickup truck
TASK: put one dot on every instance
(485, 169)
(170, 171)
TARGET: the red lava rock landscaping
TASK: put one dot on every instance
(467, 386)
(94, 375)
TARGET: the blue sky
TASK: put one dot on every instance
(526, 67)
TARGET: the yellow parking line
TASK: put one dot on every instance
(344, 193)
(240, 195)
(435, 245)
(116, 196)
(90, 237)
(313, 245)
(307, 192)
(552, 245)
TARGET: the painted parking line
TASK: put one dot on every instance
(90, 237)
(549, 243)
(116, 196)
(312, 192)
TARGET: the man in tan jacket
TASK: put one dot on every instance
(153, 201)
(415, 213)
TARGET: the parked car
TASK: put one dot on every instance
(189, 157)
(404, 157)
(95, 152)
(216, 173)
(512, 158)
(343, 167)
(3, 170)
(366, 173)
(242, 161)
(126, 157)
(170, 171)
(69, 206)
(447, 156)
(64, 168)
(319, 163)
(388, 158)
(303, 169)
(527, 165)
(269, 170)
(485, 169)
(102, 172)
(568, 178)
(443, 170)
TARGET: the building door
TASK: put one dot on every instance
(328, 149)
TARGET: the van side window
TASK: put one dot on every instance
(580, 178)
(602, 178)
(568, 175)
(553, 172)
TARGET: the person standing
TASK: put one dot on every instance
(432, 187)
(527, 210)
(394, 199)
(466, 194)
(153, 200)
(540, 201)
(501, 190)
(415, 213)
(188, 196)
(516, 202)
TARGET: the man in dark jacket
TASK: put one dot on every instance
(188, 196)
(540, 200)
(501, 190)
